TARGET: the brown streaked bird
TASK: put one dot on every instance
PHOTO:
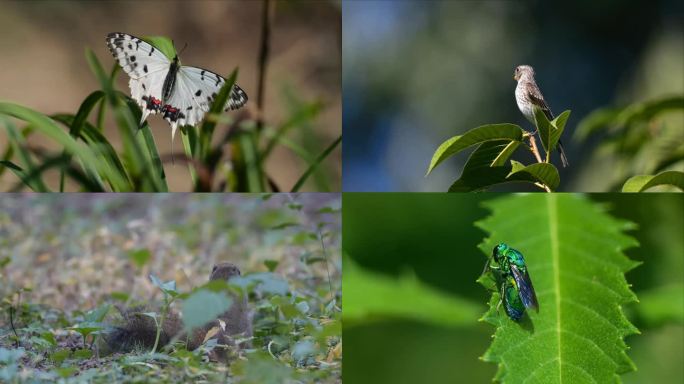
(528, 96)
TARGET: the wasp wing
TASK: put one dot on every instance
(525, 288)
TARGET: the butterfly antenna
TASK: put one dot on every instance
(181, 51)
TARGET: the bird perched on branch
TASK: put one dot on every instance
(528, 96)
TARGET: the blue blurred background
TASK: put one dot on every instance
(418, 73)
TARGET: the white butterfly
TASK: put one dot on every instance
(182, 94)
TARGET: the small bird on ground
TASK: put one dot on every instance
(528, 96)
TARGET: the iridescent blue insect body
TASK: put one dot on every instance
(513, 281)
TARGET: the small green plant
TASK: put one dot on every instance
(488, 165)
(170, 294)
(91, 324)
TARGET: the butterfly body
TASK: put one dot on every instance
(181, 94)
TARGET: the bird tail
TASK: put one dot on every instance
(562, 154)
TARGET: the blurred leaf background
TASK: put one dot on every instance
(43, 68)
(417, 73)
(432, 237)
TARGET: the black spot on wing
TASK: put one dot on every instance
(145, 68)
(199, 92)
(238, 98)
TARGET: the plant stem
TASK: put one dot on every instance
(535, 149)
(268, 12)
(266, 18)
(160, 324)
(543, 186)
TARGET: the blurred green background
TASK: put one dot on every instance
(433, 237)
(416, 73)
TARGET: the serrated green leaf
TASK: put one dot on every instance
(369, 296)
(510, 132)
(641, 183)
(573, 251)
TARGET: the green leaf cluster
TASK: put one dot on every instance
(489, 165)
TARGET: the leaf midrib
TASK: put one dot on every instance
(552, 205)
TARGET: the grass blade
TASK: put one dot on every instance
(315, 164)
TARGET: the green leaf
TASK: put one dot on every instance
(574, 252)
(88, 159)
(559, 124)
(641, 183)
(127, 114)
(207, 131)
(19, 145)
(544, 173)
(140, 256)
(271, 264)
(369, 296)
(204, 306)
(163, 44)
(481, 170)
(510, 132)
(97, 315)
(168, 287)
(486, 166)
(550, 131)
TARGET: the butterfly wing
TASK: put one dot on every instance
(210, 83)
(146, 66)
(195, 90)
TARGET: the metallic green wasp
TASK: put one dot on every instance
(513, 280)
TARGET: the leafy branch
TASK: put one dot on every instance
(488, 165)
